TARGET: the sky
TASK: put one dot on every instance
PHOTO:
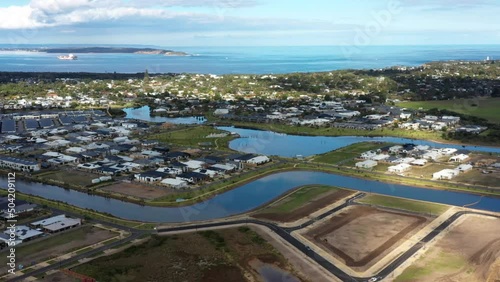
(250, 22)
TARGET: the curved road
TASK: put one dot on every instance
(284, 232)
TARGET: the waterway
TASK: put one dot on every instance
(248, 197)
(278, 144)
(143, 113)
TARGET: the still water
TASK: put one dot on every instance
(248, 197)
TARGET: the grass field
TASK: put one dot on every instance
(76, 178)
(442, 262)
(192, 137)
(349, 152)
(299, 198)
(403, 204)
(483, 108)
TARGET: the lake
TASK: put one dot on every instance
(143, 113)
(278, 144)
(248, 197)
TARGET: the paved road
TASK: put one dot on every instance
(135, 234)
(284, 232)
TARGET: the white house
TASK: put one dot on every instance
(75, 150)
(445, 174)
(259, 160)
(464, 167)
(380, 157)
(24, 233)
(404, 160)
(419, 162)
(366, 164)
(218, 112)
(194, 164)
(459, 158)
(174, 183)
(400, 168)
(395, 149)
(368, 155)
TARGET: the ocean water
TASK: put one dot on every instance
(249, 60)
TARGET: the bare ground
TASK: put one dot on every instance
(474, 245)
(360, 235)
(137, 190)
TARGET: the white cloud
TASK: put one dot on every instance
(17, 17)
(50, 13)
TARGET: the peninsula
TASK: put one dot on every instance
(101, 50)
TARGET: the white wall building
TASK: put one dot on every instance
(445, 174)
(400, 168)
(366, 164)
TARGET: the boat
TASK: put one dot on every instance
(69, 57)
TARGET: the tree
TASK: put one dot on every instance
(146, 76)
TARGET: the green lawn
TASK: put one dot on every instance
(298, 198)
(443, 262)
(403, 204)
(75, 178)
(427, 170)
(192, 136)
(483, 108)
(349, 152)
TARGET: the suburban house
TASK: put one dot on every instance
(459, 158)
(18, 164)
(366, 164)
(259, 160)
(174, 183)
(445, 174)
(56, 223)
(400, 168)
(193, 177)
(150, 176)
(24, 233)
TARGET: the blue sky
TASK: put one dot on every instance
(250, 22)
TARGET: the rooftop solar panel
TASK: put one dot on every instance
(31, 124)
(80, 119)
(8, 126)
(46, 122)
(65, 120)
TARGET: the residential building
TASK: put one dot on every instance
(18, 164)
(368, 164)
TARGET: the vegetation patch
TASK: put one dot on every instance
(216, 255)
(404, 204)
(348, 152)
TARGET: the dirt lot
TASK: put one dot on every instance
(469, 252)
(476, 177)
(360, 235)
(136, 190)
(212, 256)
(73, 177)
(56, 245)
(310, 207)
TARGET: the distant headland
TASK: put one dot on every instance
(100, 50)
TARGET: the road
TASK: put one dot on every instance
(283, 232)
